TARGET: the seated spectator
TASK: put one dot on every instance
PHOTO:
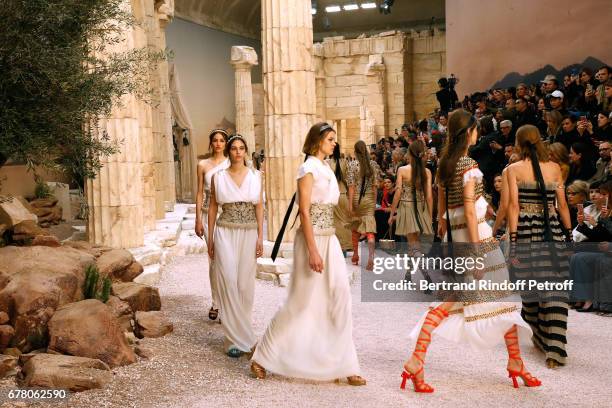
(569, 134)
(557, 102)
(603, 131)
(384, 198)
(602, 76)
(590, 215)
(549, 84)
(581, 165)
(602, 166)
(589, 270)
(506, 137)
(522, 91)
(553, 126)
(560, 155)
(577, 195)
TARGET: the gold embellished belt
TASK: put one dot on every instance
(536, 208)
(464, 224)
(322, 218)
(238, 215)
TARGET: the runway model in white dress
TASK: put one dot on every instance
(311, 335)
(206, 169)
(479, 318)
(235, 244)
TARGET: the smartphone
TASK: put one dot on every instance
(589, 87)
(580, 209)
(605, 205)
(433, 150)
(583, 118)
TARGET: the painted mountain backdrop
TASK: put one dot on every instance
(513, 78)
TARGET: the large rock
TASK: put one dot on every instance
(6, 335)
(92, 249)
(34, 281)
(140, 297)
(131, 272)
(46, 240)
(122, 311)
(114, 263)
(8, 365)
(89, 329)
(68, 372)
(152, 324)
(12, 212)
(44, 202)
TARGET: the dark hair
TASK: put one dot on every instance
(595, 185)
(336, 158)
(581, 149)
(573, 118)
(416, 154)
(212, 134)
(233, 139)
(365, 168)
(606, 67)
(486, 125)
(460, 123)
(314, 137)
(607, 187)
(587, 70)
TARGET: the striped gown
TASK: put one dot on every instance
(546, 312)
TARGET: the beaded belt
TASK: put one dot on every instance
(536, 208)
(238, 215)
(322, 218)
(464, 224)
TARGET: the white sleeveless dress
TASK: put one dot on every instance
(311, 336)
(235, 263)
(207, 177)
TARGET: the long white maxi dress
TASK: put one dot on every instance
(311, 335)
(235, 264)
(482, 317)
(214, 292)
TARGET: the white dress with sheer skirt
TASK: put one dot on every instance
(479, 318)
(311, 336)
(207, 178)
(235, 263)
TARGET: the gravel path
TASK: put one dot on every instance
(189, 368)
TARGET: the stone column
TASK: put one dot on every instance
(375, 100)
(114, 197)
(164, 14)
(289, 99)
(320, 91)
(243, 58)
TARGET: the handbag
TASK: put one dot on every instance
(387, 242)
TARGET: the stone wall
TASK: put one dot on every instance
(383, 81)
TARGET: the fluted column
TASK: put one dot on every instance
(164, 14)
(289, 99)
(320, 90)
(114, 196)
(375, 100)
(243, 59)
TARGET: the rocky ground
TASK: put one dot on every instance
(188, 368)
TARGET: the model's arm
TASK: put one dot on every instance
(469, 206)
(562, 202)
(513, 202)
(199, 228)
(441, 211)
(260, 216)
(305, 191)
(396, 195)
(212, 218)
(429, 192)
(503, 204)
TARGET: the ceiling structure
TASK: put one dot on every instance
(243, 17)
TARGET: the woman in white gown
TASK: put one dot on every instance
(311, 335)
(235, 244)
(479, 318)
(206, 169)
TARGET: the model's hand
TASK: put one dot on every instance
(391, 219)
(199, 229)
(211, 250)
(442, 228)
(580, 218)
(315, 262)
(259, 248)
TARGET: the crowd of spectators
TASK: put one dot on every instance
(574, 119)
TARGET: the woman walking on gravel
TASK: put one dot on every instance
(236, 244)
(311, 336)
(217, 139)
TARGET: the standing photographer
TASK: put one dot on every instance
(447, 97)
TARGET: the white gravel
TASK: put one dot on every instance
(189, 368)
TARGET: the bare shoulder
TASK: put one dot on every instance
(203, 165)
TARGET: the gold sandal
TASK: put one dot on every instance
(258, 371)
(356, 380)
